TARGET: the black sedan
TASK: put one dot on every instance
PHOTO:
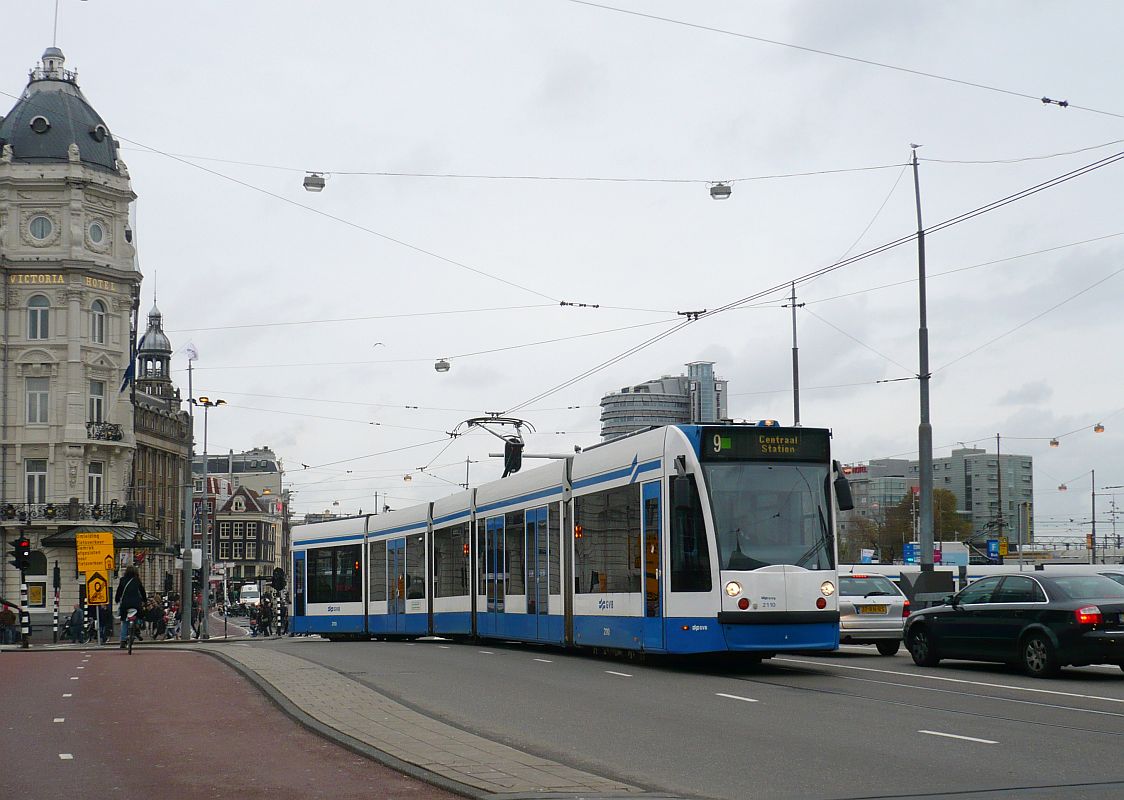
(1038, 621)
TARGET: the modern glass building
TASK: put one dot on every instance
(697, 397)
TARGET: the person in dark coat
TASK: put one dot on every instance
(130, 594)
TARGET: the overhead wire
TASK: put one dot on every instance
(844, 57)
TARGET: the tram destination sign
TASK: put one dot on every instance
(764, 444)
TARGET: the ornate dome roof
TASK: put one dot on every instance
(52, 115)
(154, 341)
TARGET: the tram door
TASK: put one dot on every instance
(653, 573)
(396, 577)
(495, 574)
(538, 569)
(298, 584)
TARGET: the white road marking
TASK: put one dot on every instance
(81, 667)
(735, 697)
(954, 736)
(68, 695)
(443, 647)
(544, 660)
(621, 674)
(486, 652)
(60, 719)
(74, 677)
(954, 680)
(66, 756)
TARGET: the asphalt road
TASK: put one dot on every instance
(851, 725)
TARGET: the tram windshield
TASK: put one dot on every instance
(769, 514)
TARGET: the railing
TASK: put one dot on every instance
(107, 513)
(105, 431)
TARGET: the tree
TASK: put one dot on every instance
(947, 524)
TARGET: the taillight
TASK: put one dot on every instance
(1089, 615)
(905, 610)
(821, 603)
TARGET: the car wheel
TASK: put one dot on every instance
(922, 649)
(1037, 656)
(889, 648)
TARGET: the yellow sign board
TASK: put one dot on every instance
(97, 589)
(1002, 545)
(95, 551)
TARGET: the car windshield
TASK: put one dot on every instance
(866, 586)
(767, 514)
(1088, 587)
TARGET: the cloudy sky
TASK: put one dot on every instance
(318, 317)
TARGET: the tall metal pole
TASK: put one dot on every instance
(795, 363)
(1093, 549)
(1000, 522)
(188, 520)
(924, 429)
(206, 511)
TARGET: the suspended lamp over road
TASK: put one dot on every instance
(1054, 443)
(1098, 428)
(314, 182)
(1062, 487)
(720, 191)
(442, 365)
(407, 477)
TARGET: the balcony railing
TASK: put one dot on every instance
(107, 513)
(105, 431)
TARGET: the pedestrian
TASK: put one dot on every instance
(130, 595)
(73, 625)
(105, 622)
(283, 625)
(9, 629)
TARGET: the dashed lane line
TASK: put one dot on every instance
(486, 652)
(74, 677)
(735, 697)
(66, 756)
(60, 719)
(953, 680)
(68, 695)
(618, 674)
(543, 660)
(955, 736)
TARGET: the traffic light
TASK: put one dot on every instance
(167, 583)
(512, 455)
(278, 581)
(197, 580)
(21, 553)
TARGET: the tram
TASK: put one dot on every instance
(681, 539)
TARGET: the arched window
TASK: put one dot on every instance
(38, 317)
(97, 322)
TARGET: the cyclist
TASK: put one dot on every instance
(130, 594)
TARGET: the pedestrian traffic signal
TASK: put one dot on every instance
(21, 553)
(278, 581)
(167, 582)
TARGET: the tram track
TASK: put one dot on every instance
(913, 705)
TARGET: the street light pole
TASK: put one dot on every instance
(924, 428)
(795, 361)
(207, 405)
(1093, 538)
(188, 518)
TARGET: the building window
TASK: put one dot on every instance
(238, 551)
(239, 530)
(36, 471)
(251, 530)
(251, 551)
(97, 401)
(97, 322)
(38, 317)
(224, 530)
(38, 395)
(95, 482)
(224, 551)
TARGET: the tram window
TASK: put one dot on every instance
(513, 523)
(555, 551)
(378, 571)
(610, 537)
(690, 551)
(415, 567)
(335, 574)
(450, 562)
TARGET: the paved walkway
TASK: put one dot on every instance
(363, 719)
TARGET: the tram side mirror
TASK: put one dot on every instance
(681, 489)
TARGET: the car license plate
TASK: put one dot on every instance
(872, 609)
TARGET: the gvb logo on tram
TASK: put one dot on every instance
(682, 539)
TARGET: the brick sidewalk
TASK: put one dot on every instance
(364, 716)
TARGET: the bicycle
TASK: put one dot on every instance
(131, 621)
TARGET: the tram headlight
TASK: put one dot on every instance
(733, 588)
(827, 588)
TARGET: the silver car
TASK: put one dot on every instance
(872, 610)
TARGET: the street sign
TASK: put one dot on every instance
(1002, 545)
(992, 549)
(97, 589)
(910, 552)
(95, 551)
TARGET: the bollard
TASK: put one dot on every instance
(55, 636)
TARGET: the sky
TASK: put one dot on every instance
(319, 317)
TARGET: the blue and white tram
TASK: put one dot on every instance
(684, 539)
